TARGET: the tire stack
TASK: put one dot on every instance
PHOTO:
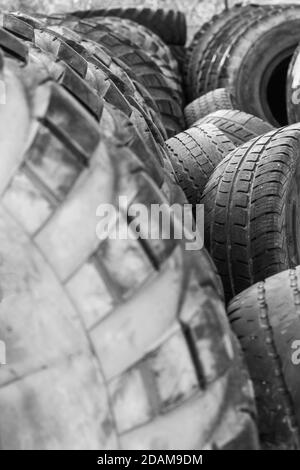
(242, 77)
(111, 343)
(124, 342)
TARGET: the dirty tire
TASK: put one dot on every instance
(150, 43)
(239, 127)
(250, 55)
(142, 37)
(146, 71)
(84, 74)
(194, 155)
(265, 318)
(208, 103)
(170, 25)
(251, 210)
(73, 294)
(205, 41)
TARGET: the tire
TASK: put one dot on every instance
(144, 68)
(74, 386)
(250, 56)
(95, 85)
(142, 37)
(250, 204)
(293, 86)
(116, 70)
(145, 40)
(169, 25)
(265, 318)
(238, 126)
(204, 44)
(207, 104)
(194, 155)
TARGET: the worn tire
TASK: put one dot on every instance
(124, 343)
(150, 43)
(170, 25)
(208, 103)
(265, 318)
(239, 127)
(251, 215)
(144, 68)
(91, 81)
(204, 44)
(194, 155)
(250, 55)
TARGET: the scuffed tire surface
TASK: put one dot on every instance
(265, 318)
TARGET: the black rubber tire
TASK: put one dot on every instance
(194, 155)
(150, 43)
(208, 103)
(265, 319)
(239, 127)
(118, 72)
(141, 37)
(293, 89)
(204, 43)
(144, 68)
(250, 56)
(251, 215)
(170, 25)
(96, 84)
(74, 297)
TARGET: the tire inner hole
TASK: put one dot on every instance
(276, 91)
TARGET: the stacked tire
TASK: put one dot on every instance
(111, 344)
(242, 77)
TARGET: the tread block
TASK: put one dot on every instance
(156, 237)
(90, 294)
(160, 382)
(27, 202)
(136, 325)
(136, 267)
(12, 45)
(79, 88)
(18, 27)
(72, 58)
(53, 163)
(70, 122)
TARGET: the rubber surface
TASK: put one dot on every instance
(194, 155)
(208, 103)
(251, 210)
(265, 318)
(238, 126)
(103, 364)
(242, 51)
(170, 25)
